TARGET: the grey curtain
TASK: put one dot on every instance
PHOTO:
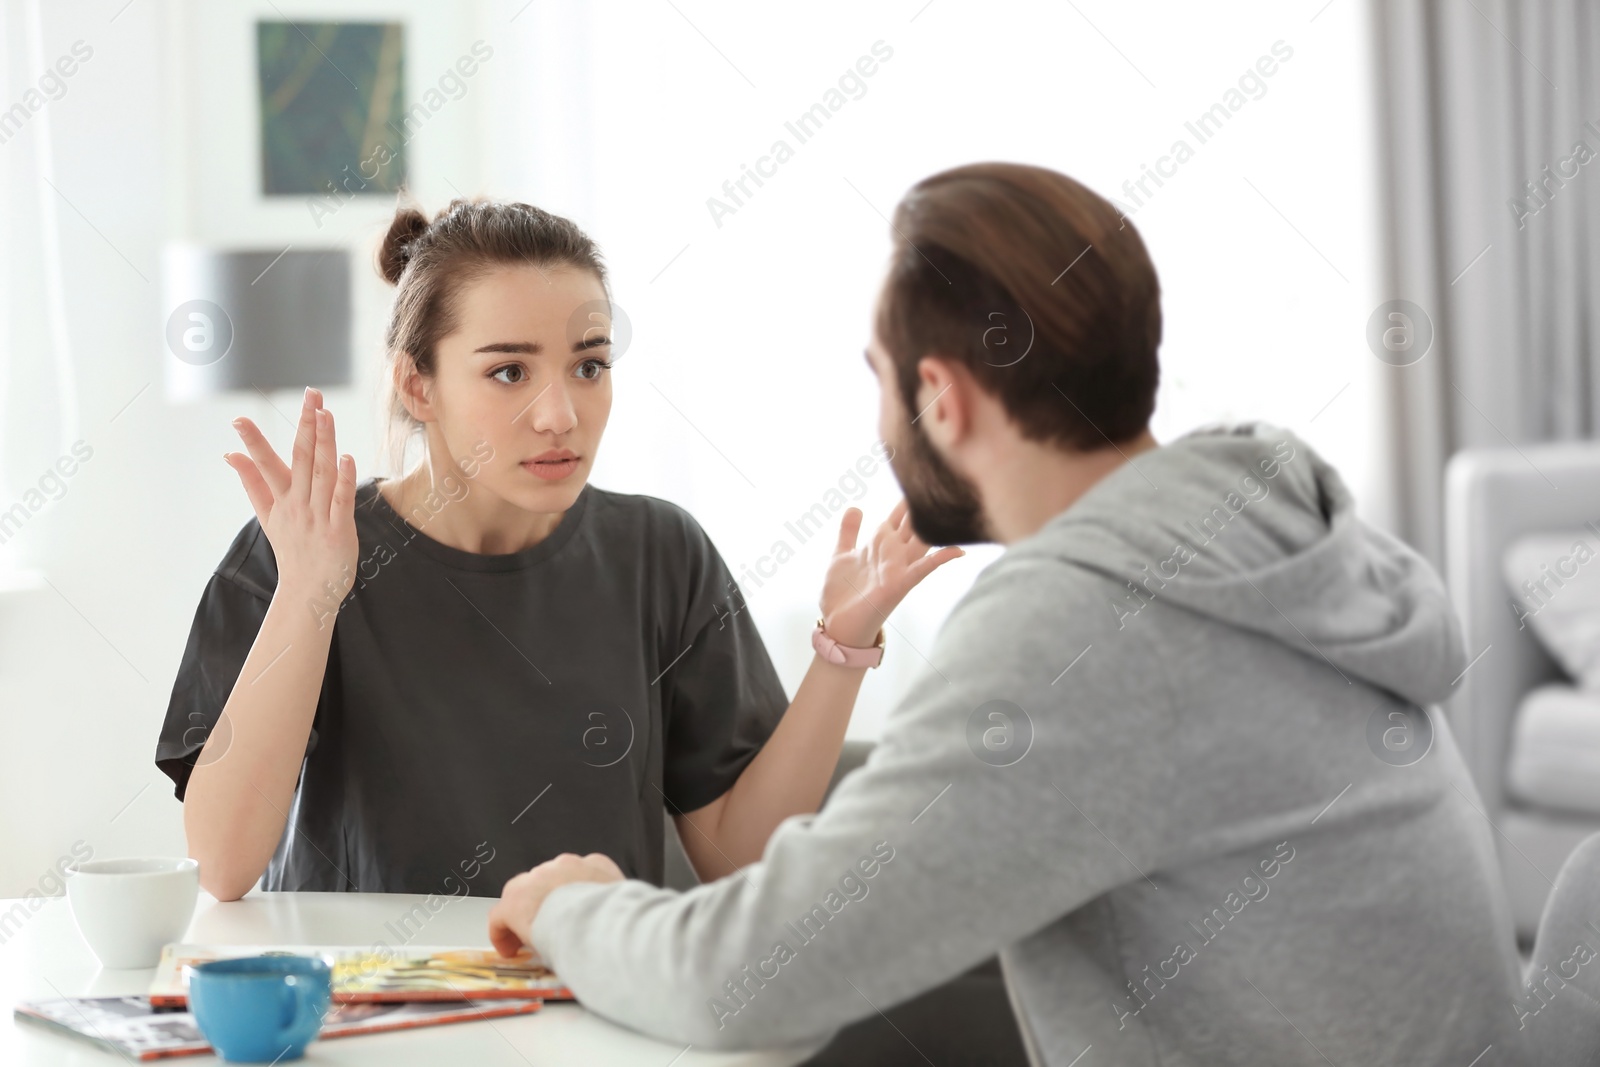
(1489, 160)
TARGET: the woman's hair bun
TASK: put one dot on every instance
(408, 225)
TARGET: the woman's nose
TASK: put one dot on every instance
(551, 411)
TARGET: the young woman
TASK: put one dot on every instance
(432, 683)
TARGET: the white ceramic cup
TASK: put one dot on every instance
(128, 909)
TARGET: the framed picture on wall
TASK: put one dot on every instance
(332, 107)
(297, 124)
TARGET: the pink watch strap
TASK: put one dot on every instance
(845, 655)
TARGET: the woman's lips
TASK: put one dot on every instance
(551, 471)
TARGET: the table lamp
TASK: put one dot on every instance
(245, 319)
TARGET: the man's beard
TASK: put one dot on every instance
(943, 506)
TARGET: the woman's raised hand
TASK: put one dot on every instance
(865, 584)
(307, 510)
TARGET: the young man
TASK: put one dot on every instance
(1172, 757)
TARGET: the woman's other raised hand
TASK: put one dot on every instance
(865, 584)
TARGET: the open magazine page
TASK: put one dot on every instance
(132, 1027)
(360, 975)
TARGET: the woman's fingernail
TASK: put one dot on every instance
(238, 424)
(225, 458)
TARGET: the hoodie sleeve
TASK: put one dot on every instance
(987, 810)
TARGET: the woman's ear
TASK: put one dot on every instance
(412, 387)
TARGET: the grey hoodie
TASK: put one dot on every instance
(1173, 758)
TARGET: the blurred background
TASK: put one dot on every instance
(1301, 172)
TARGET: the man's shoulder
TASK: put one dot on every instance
(1038, 579)
(1024, 601)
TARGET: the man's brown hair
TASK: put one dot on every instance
(1037, 286)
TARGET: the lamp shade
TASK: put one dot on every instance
(240, 319)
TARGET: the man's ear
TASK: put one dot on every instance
(944, 399)
(412, 388)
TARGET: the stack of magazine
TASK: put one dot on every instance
(372, 992)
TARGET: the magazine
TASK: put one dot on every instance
(132, 1027)
(360, 975)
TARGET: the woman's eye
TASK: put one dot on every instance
(509, 369)
(597, 365)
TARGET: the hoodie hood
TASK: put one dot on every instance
(1247, 525)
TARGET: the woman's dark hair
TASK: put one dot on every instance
(430, 262)
(1037, 286)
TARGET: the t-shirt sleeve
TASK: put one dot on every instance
(722, 696)
(225, 626)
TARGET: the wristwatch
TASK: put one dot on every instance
(845, 655)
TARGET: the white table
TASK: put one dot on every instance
(46, 957)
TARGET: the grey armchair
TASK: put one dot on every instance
(1492, 497)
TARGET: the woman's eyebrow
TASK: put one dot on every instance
(526, 348)
(534, 348)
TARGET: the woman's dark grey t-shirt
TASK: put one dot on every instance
(482, 713)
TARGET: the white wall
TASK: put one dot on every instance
(743, 396)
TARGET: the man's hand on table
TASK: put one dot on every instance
(512, 918)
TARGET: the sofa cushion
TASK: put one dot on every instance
(1555, 585)
(1555, 750)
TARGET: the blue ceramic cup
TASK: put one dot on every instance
(260, 1009)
